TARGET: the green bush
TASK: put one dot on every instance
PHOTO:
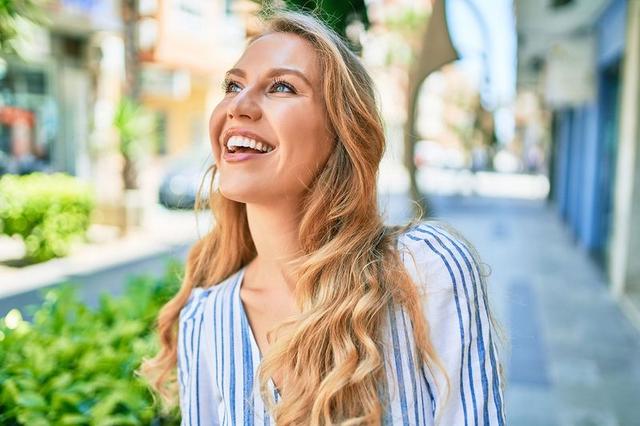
(75, 365)
(50, 212)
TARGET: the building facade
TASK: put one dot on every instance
(585, 64)
(185, 48)
(46, 89)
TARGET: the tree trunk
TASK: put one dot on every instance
(435, 51)
(130, 174)
(132, 63)
(132, 79)
(410, 139)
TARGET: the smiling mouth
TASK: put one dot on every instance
(241, 144)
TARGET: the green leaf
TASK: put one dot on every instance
(117, 420)
(74, 365)
(74, 419)
(31, 400)
(49, 211)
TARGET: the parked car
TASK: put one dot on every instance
(23, 165)
(184, 176)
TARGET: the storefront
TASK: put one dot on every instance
(586, 132)
(47, 91)
(28, 116)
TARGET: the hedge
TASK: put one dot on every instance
(49, 212)
(72, 365)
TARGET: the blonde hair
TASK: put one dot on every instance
(349, 273)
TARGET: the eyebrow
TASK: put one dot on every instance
(273, 72)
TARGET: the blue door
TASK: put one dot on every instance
(608, 99)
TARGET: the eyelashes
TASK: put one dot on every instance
(231, 86)
(227, 83)
(282, 83)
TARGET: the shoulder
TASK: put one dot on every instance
(437, 256)
(461, 325)
(202, 297)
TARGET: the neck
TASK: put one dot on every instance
(274, 230)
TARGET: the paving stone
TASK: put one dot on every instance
(530, 406)
(528, 358)
(557, 308)
(587, 417)
(580, 372)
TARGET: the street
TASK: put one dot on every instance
(575, 357)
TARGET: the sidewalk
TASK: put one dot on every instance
(165, 234)
(575, 358)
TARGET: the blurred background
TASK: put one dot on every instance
(517, 121)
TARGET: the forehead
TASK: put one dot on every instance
(280, 50)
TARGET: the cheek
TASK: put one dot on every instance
(308, 143)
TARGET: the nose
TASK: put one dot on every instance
(244, 105)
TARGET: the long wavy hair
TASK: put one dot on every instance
(349, 272)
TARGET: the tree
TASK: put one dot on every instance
(434, 50)
(132, 62)
(135, 128)
(132, 123)
(338, 14)
(12, 12)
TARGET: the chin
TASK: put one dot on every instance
(242, 194)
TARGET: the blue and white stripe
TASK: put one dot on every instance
(218, 356)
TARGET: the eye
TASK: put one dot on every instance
(230, 86)
(281, 86)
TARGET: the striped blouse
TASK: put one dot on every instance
(218, 355)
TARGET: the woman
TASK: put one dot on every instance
(300, 307)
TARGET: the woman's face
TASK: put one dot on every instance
(273, 103)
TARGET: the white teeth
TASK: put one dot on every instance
(238, 141)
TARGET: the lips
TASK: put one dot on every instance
(240, 145)
(233, 157)
(244, 133)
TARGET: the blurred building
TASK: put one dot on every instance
(46, 89)
(583, 59)
(58, 95)
(186, 46)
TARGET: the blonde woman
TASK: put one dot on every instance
(300, 307)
